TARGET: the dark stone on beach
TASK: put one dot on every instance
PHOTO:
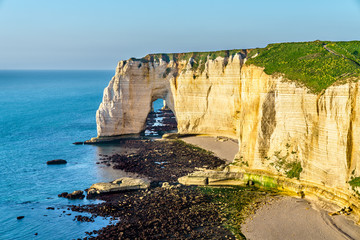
(20, 217)
(78, 143)
(74, 195)
(56, 162)
(183, 213)
(163, 160)
(64, 194)
(80, 218)
(170, 212)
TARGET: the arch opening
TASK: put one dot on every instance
(160, 119)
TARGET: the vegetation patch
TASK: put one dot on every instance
(166, 73)
(237, 203)
(348, 50)
(355, 182)
(355, 185)
(287, 164)
(294, 169)
(310, 63)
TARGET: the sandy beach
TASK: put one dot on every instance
(286, 217)
(292, 218)
(224, 148)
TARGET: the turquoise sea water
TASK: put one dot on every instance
(41, 114)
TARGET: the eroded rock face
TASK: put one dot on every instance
(282, 124)
(203, 101)
(128, 98)
(282, 127)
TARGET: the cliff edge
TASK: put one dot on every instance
(294, 107)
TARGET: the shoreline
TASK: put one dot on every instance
(342, 227)
(345, 229)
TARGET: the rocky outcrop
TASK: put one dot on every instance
(118, 185)
(203, 101)
(78, 194)
(56, 162)
(282, 127)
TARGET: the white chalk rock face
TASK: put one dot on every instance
(203, 101)
(128, 97)
(282, 125)
(282, 128)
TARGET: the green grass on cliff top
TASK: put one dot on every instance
(317, 65)
(310, 63)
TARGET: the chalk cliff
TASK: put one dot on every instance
(282, 127)
(203, 101)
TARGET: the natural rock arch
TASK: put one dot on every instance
(128, 98)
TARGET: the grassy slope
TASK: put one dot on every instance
(309, 62)
(306, 62)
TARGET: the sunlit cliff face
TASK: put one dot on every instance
(281, 127)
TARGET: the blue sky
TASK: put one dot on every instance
(93, 34)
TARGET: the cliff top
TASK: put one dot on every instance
(200, 58)
(317, 64)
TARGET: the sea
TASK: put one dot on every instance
(41, 114)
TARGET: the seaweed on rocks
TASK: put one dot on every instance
(159, 213)
(163, 160)
(172, 211)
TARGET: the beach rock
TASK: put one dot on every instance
(118, 185)
(74, 195)
(183, 213)
(165, 185)
(56, 162)
(80, 218)
(78, 143)
(64, 194)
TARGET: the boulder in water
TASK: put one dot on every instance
(74, 195)
(56, 162)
